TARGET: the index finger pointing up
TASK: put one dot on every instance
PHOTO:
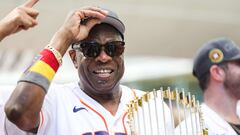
(30, 3)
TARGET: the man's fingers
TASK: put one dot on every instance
(84, 30)
(24, 27)
(28, 22)
(31, 12)
(92, 23)
(97, 9)
(91, 14)
(30, 3)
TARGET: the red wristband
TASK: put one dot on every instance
(48, 57)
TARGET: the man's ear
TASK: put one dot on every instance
(73, 56)
(217, 73)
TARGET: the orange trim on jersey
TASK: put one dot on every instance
(124, 126)
(96, 113)
(42, 119)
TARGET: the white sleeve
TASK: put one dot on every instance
(2, 117)
(7, 127)
(12, 129)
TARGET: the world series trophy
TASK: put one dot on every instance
(166, 112)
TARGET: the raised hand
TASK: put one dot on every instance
(22, 17)
(74, 30)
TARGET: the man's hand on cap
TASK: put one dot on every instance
(73, 31)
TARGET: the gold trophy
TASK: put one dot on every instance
(166, 112)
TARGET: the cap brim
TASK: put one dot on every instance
(237, 57)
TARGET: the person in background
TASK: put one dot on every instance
(217, 68)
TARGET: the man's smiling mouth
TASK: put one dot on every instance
(103, 73)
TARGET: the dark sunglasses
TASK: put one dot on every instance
(93, 49)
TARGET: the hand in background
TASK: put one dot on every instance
(22, 17)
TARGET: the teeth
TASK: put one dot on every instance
(102, 71)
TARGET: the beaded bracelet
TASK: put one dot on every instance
(56, 53)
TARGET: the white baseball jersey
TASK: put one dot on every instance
(212, 121)
(67, 110)
(215, 124)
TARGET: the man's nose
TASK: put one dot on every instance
(103, 57)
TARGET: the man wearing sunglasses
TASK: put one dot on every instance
(96, 105)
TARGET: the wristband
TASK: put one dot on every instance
(43, 70)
